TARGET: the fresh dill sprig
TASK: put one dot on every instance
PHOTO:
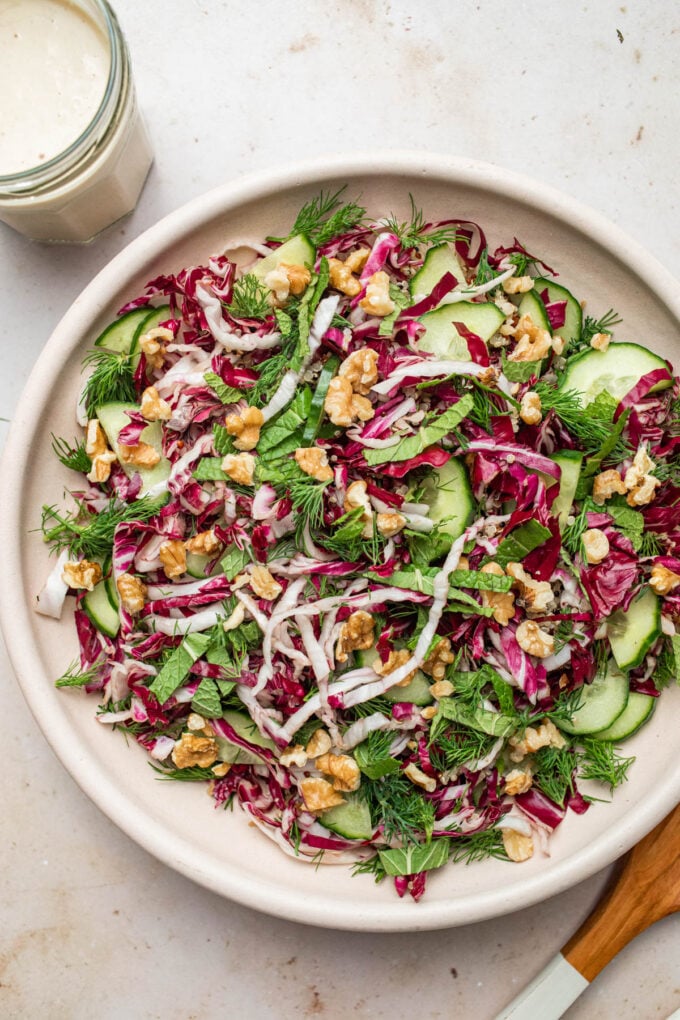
(592, 326)
(90, 535)
(524, 262)
(650, 544)
(307, 499)
(457, 745)
(75, 676)
(249, 299)
(71, 455)
(478, 846)
(591, 425)
(392, 803)
(600, 761)
(112, 379)
(416, 231)
(325, 216)
(554, 772)
(566, 705)
(485, 272)
(372, 866)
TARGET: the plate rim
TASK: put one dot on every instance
(167, 846)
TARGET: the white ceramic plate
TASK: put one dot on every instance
(176, 821)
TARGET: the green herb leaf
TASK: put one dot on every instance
(71, 455)
(373, 755)
(227, 394)
(326, 216)
(426, 435)
(492, 723)
(209, 469)
(520, 542)
(75, 676)
(111, 380)
(600, 761)
(415, 858)
(250, 299)
(206, 700)
(520, 371)
(90, 536)
(234, 561)
(174, 671)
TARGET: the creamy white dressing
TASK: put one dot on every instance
(53, 74)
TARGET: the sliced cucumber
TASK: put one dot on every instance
(443, 339)
(313, 423)
(570, 462)
(615, 370)
(603, 701)
(246, 729)
(633, 632)
(532, 306)
(103, 615)
(439, 260)
(112, 592)
(417, 692)
(635, 714)
(351, 819)
(448, 494)
(113, 418)
(297, 251)
(119, 334)
(150, 321)
(573, 315)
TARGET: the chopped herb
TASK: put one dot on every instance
(605, 324)
(520, 542)
(72, 456)
(427, 435)
(326, 216)
(111, 380)
(227, 394)
(601, 762)
(88, 535)
(249, 299)
(416, 232)
(75, 676)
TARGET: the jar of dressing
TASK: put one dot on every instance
(74, 152)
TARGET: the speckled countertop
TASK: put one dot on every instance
(583, 96)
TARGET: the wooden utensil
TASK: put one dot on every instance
(646, 888)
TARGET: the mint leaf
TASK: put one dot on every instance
(495, 724)
(209, 469)
(415, 858)
(234, 561)
(176, 667)
(426, 435)
(224, 443)
(206, 700)
(520, 371)
(227, 394)
(520, 542)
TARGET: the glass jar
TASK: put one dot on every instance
(96, 177)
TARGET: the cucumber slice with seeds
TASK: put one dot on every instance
(633, 632)
(113, 418)
(439, 260)
(603, 701)
(118, 335)
(351, 819)
(532, 306)
(149, 322)
(615, 371)
(443, 339)
(98, 607)
(297, 251)
(448, 494)
(573, 315)
(636, 713)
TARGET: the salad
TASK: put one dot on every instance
(376, 534)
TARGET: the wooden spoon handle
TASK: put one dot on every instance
(646, 889)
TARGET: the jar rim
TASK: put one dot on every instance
(45, 173)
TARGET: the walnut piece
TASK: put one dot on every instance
(502, 603)
(203, 544)
(294, 754)
(95, 438)
(377, 300)
(344, 770)
(357, 259)
(595, 544)
(140, 455)
(530, 408)
(263, 584)
(152, 407)
(356, 635)
(518, 284)
(639, 482)
(537, 596)
(441, 689)
(319, 795)
(606, 484)
(419, 778)
(191, 750)
(173, 556)
(397, 657)
(81, 574)
(278, 283)
(439, 658)
(319, 743)
(341, 278)
(533, 342)
(534, 738)
(517, 781)
(299, 277)
(343, 405)
(518, 847)
(643, 493)
(246, 427)
(100, 471)
(357, 497)
(533, 640)
(151, 346)
(389, 524)
(132, 592)
(361, 368)
(240, 467)
(663, 580)
(600, 341)
(313, 460)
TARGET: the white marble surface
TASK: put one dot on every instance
(580, 95)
